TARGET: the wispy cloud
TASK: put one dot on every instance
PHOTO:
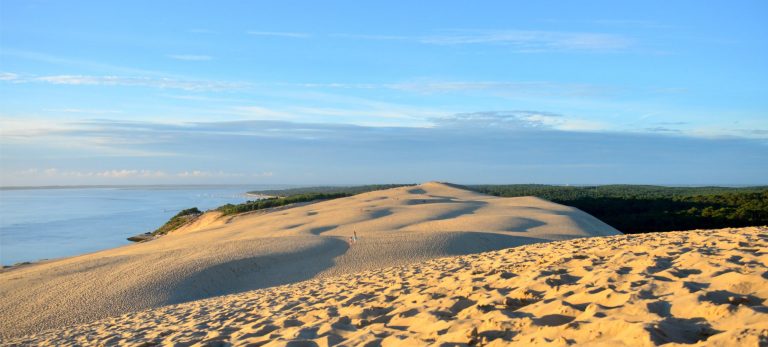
(529, 41)
(90, 138)
(76, 63)
(134, 173)
(533, 41)
(190, 57)
(8, 76)
(518, 120)
(383, 115)
(522, 87)
(81, 111)
(128, 81)
(660, 129)
(609, 22)
(635, 23)
(295, 35)
(496, 146)
(220, 174)
(539, 88)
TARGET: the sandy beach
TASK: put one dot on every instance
(218, 256)
(706, 287)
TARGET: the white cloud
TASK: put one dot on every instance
(501, 88)
(533, 41)
(518, 120)
(199, 173)
(130, 81)
(120, 173)
(81, 111)
(520, 40)
(86, 138)
(130, 173)
(12, 128)
(8, 76)
(190, 57)
(358, 112)
(517, 88)
(77, 63)
(296, 35)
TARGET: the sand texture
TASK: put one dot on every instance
(218, 256)
(704, 287)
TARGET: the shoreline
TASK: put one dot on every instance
(260, 249)
(95, 219)
(260, 196)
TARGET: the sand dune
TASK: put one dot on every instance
(230, 255)
(699, 287)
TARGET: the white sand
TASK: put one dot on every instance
(699, 287)
(258, 250)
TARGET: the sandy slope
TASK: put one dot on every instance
(396, 226)
(696, 287)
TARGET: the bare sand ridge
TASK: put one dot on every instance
(258, 250)
(696, 287)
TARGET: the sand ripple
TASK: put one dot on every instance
(217, 256)
(698, 287)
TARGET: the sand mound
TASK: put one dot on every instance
(705, 287)
(230, 255)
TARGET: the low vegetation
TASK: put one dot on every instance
(275, 198)
(297, 195)
(628, 208)
(350, 190)
(638, 208)
(254, 205)
(181, 218)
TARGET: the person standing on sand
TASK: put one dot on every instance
(354, 237)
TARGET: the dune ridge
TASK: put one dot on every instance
(706, 287)
(218, 256)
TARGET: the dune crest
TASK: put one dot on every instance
(705, 287)
(216, 256)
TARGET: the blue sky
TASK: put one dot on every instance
(337, 92)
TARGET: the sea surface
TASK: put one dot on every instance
(47, 223)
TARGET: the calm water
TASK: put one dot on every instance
(51, 223)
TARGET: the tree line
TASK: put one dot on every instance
(640, 208)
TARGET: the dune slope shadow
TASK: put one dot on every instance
(469, 207)
(320, 230)
(258, 272)
(461, 243)
(383, 250)
(380, 213)
(524, 224)
(586, 221)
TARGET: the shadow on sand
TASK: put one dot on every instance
(258, 272)
(462, 243)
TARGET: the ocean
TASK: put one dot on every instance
(47, 223)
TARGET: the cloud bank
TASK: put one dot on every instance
(484, 147)
(126, 81)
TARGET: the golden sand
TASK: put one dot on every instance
(704, 287)
(217, 256)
